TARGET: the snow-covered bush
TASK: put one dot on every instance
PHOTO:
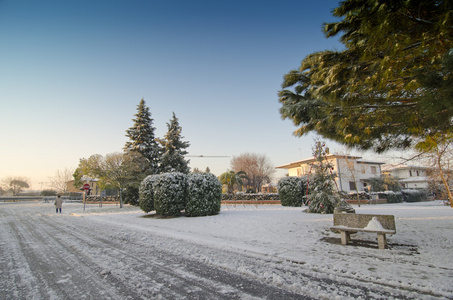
(204, 195)
(414, 195)
(146, 191)
(291, 190)
(170, 193)
(391, 196)
(250, 197)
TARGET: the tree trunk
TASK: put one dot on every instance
(121, 198)
(445, 181)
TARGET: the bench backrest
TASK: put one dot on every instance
(362, 220)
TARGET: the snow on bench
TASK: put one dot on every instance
(348, 223)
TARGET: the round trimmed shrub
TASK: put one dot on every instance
(413, 195)
(170, 193)
(146, 198)
(204, 195)
(292, 190)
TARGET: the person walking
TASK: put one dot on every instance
(58, 203)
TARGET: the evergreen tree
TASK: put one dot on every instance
(173, 149)
(322, 197)
(389, 87)
(142, 139)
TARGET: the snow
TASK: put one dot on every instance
(374, 224)
(418, 263)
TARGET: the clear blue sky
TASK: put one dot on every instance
(73, 72)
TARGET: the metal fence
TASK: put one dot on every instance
(40, 198)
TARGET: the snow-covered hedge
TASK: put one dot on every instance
(291, 190)
(146, 193)
(391, 196)
(414, 195)
(170, 193)
(204, 195)
(250, 197)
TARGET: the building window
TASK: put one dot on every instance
(410, 173)
(373, 170)
(352, 186)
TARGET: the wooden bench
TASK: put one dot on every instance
(348, 223)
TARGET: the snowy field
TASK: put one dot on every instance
(266, 246)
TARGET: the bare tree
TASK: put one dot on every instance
(350, 163)
(258, 168)
(438, 150)
(60, 180)
(15, 184)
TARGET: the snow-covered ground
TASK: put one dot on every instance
(279, 246)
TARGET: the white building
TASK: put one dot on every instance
(410, 177)
(352, 172)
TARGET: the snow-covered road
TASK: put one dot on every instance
(243, 253)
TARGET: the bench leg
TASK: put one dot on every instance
(345, 237)
(382, 240)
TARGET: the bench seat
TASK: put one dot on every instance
(348, 223)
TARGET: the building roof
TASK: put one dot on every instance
(298, 163)
(414, 179)
(391, 167)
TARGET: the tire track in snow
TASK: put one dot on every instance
(177, 276)
(63, 258)
(53, 271)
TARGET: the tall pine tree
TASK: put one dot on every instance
(142, 139)
(172, 159)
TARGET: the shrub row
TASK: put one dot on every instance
(170, 193)
(353, 196)
(414, 195)
(249, 197)
(292, 191)
(405, 195)
(103, 198)
(391, 196)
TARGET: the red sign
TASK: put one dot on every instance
(86, 186)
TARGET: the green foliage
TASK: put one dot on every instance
(292, 190)
(391, 196)
(321, 195)
(170, 193)
(204, 195)
(230, 179)
(146, 193)
(131, 195)
(115, 170)
(250, 197)
(391, 85)
(414, 195)
(174, 149)
(384, 182)
(47, 193)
